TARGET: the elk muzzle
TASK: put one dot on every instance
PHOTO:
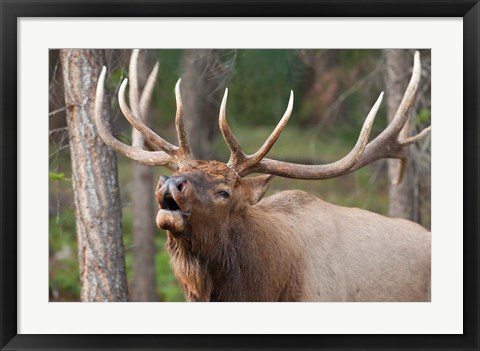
(174, 198)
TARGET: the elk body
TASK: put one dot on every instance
(228, 243)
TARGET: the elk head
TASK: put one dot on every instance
(202, 196)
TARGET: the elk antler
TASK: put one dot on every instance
(151, 137)
(392, 142)
(245, 164)
(387, 145)
(151, 158)
(238, 159)
(164, 153)
(140, 109)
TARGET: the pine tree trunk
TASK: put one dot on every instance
(143, 234)
(142, 194)
(403, 198)
(95, 183)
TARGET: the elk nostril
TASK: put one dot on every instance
(182, 185)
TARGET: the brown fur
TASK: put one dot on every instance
(287, 247)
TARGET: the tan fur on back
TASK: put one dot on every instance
(352, 254)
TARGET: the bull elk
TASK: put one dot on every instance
(228, 243)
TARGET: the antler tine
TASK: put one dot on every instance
(342, 166)
(401, 116)
(236, 154)
(134, 97)
(402, 161)
(417, 137)
(147, 92)
(141, 103)
(262, 152)
(183, 144)
(146, 98)
(133, 92)
(156, 158)
(150, 136)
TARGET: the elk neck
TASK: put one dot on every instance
(243, 260)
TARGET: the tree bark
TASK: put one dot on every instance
(143, 234)
(403, 198)
(142, 191)
(95, 183)
(202, 95)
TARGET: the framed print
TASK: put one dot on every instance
(41, 293)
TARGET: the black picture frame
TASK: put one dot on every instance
(12, 10)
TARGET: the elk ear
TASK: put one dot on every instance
(257, 187)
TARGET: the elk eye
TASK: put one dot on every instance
(224, 194)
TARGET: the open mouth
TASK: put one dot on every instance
(169, 203)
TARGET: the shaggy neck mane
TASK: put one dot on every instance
(233, 263)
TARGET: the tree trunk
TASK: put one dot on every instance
(403, 198)
(143, 234)
(202, 95)
(142, 191)
(95, 183)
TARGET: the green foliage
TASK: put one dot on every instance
(124, 138)
(115, 78)
(351, 59)
(56, 176)
(261, 84)
(170, 70)
(423, 117)
(127, 222)
(63, 267)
